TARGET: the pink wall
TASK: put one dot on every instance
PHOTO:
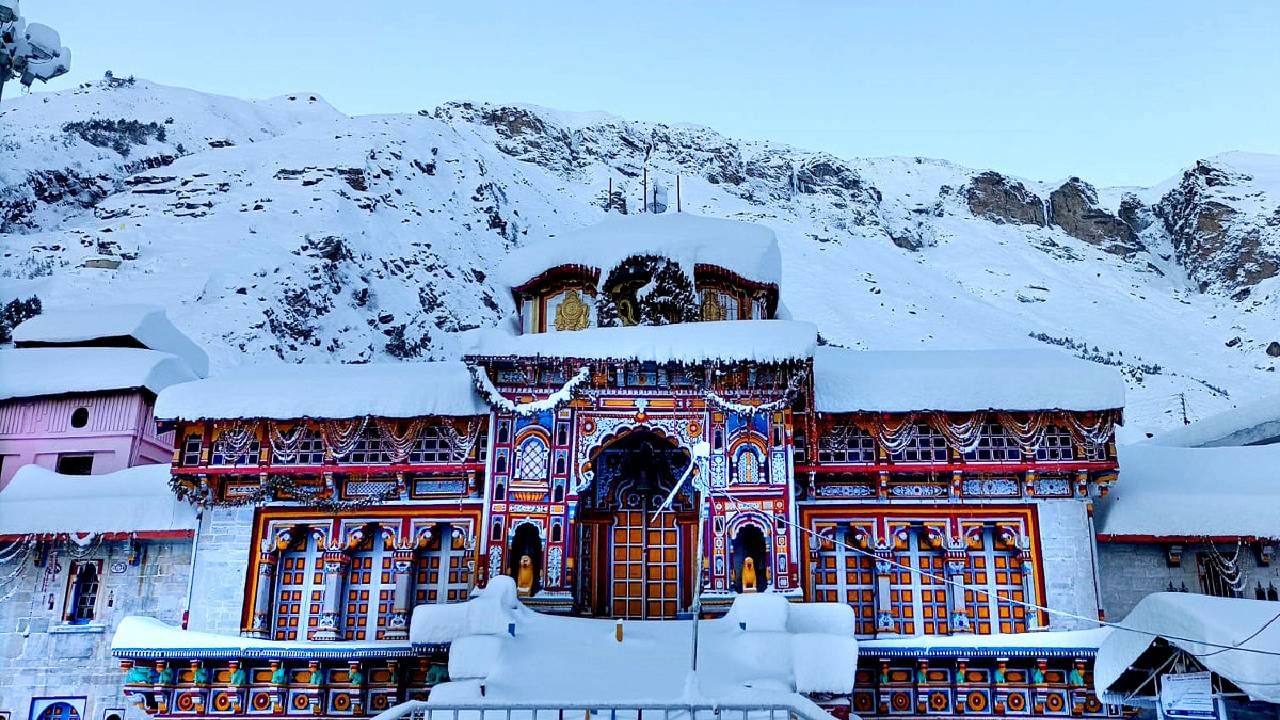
(120, 432)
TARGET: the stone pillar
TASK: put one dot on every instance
(886, 624)
(957, 561)
(402, 564)
(260, 617)
(329, 626)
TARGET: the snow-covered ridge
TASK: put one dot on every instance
(283, 230)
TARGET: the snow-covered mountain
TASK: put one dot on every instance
(284, 230)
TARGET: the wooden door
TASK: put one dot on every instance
(646, 565)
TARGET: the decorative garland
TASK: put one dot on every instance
(782, 403)
(318, 497)
(963, 436)
(1094, 434)
(460, 445)
(966, 435)
(286, 447)
(1029, 435)
(895, 439)
(236, 440)
(340, 438)
(399, 447)
(552, 402)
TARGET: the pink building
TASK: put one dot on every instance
(78, 389)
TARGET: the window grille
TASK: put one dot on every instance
(431, 447)
(310, 451)
(748, 467)
(531, 459)
(995, 444)
(249, 457)
(847, 444)
(368, 449)
(191, 450)
(928, 446)
(82, 596)
(1058, 444)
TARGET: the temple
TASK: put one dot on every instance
(651, 373)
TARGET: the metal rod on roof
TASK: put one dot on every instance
(644, 192)
(608, 200)
(677, 192)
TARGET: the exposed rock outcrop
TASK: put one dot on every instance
(1225, 241)
(1074, 208)
(1002, 199)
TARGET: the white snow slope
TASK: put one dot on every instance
(283, 230)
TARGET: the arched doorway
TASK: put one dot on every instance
(637, 562)
(525, 559)
(749, 544)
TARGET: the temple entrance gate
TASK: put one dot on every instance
(638, 562)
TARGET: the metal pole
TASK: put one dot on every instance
(697, 579)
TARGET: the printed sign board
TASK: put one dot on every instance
(1188, 696)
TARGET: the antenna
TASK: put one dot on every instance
(677, 192)
(608, 199)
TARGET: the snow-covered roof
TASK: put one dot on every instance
(144, 637)
(961, 380)
(326, 391)
(134, 500)
(1254, 422)
(1184, 618)
(690, 343)
(146, 324)
(33, 372)
(1194, 492)
(747, 249)
(1059, 643)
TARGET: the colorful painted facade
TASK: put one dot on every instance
(651, 377)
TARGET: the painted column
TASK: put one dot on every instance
(957, 561)
(329, 625)
(260, 618)
(886, 624)
(1029, 582)
(402, 564)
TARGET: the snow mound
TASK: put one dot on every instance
(502, 589)
(828, 618)
(456, 691)
(1253, 422)
(146, 325)
(475, 656)
(33, 372)
(961, 381)
(1174, 492)
(133, 500)
(822, 663)
(1245, 627)
(397, 390)
(760, 612)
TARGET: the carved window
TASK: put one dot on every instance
(299, 589)
(844, 575)
(310, 451)
(368, 449)
(191, 450)
(531, 459)
(431, 447)
(928, 446)
(749, 467)
(917, 590)
(370, 590)
(847, 444)
(441, 571)
(1058, 444)
(995, 445)
(82, 591)
(223, 453)
(999, 573)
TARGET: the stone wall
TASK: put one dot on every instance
(1069, 552)
(1131, 571)
(42, 656)
(224, 555)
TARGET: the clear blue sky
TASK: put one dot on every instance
(1117, 92)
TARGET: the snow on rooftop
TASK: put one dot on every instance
(134, 500)
(138, 636)
(34, 372)
(731, 340)
(961, 380)
(1254, 422)
(998, 643)
(284, 392)
(748, 249)
(147, 324)
(1184, 618)
(1194, 492)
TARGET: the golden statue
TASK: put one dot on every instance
(712, 308)
(749, 575)
(524, 578)
(572, 313)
